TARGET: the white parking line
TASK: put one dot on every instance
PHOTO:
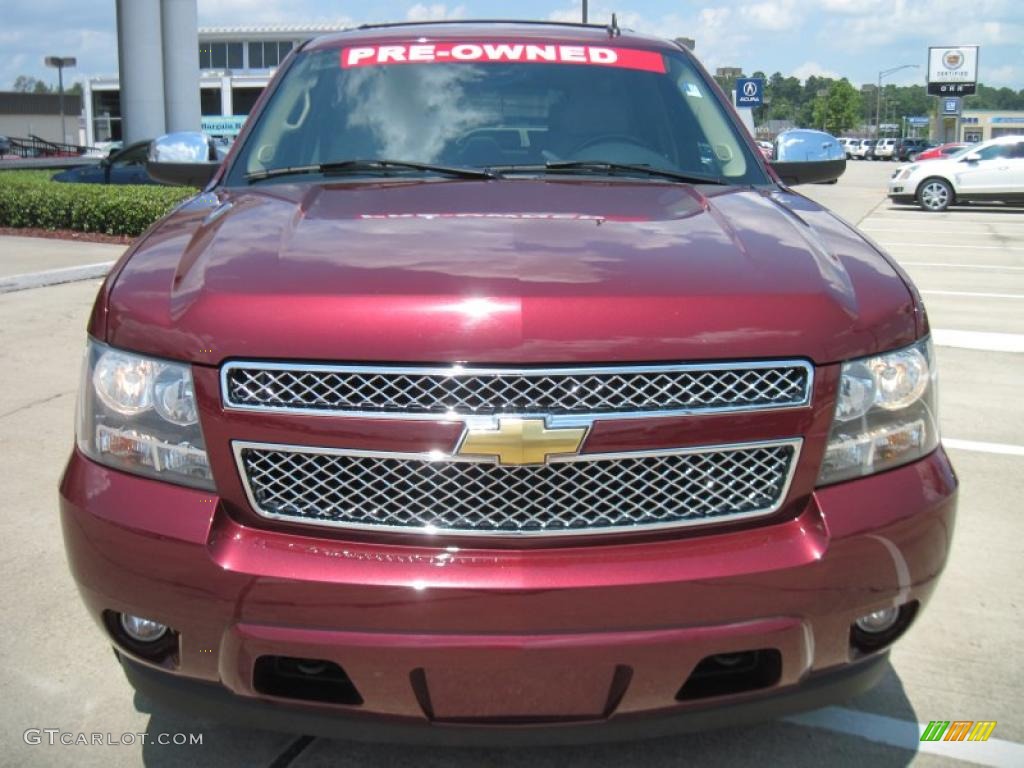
(906, 734)
(960, 266)
(975, 294)
(54, 277)
(1004, 449)
(993, 215)
(955, 246)
(956, 229)
(984, 340)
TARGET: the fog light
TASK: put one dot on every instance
(879, 621)
(143, 630)
(874, 631)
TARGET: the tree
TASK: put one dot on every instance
(837, 109)
(25, 84)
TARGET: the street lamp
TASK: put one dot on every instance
(878, 94)
(584, 11)
(60, 62)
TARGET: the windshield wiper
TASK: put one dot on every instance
(601, 166)
(364, 166)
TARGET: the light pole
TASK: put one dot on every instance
(584, 11)
(60, 62)
(878, 94)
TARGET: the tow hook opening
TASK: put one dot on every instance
(730, 673)
(289, 677)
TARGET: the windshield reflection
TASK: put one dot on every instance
(413, 112)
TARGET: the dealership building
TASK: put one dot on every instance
(984, 124)
(235, 65)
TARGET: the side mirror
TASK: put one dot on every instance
(812, 172)
(972, 158)
(807, 156)
(187, 158)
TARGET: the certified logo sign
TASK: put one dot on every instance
(953, 59)
(750, 89)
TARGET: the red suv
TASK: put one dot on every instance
(496, 389)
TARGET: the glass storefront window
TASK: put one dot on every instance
(244, 99)
(209, 101)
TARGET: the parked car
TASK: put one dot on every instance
(940, 151)
(906, 146)
(884, 149)
(122, 166)
(988, 172)
(862, 150)
(502, 411)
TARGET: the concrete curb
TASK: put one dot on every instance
(25, 282)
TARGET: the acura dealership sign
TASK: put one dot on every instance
(952, 70)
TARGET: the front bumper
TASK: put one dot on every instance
(901, 191)
(557, 640)
(203, 699)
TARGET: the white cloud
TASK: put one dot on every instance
(434, 12)
(852, 7)
(809, 68)
(774, 16)
(915, 25)
(244, 12)
(1002, 76)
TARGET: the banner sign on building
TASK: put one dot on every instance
(952, 70)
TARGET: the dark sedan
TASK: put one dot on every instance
(124, 166)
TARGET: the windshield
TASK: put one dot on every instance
(953, 153)
(525, 105)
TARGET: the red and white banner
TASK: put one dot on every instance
(527, 53)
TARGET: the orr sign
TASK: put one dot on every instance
(952, 70)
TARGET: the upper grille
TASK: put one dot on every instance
(597, 493)
(421, 392)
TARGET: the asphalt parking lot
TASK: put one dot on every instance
(961, 661)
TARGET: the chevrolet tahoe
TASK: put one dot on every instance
(495, 390)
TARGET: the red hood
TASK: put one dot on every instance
(505, 271)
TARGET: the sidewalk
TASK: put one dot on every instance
(27, 255)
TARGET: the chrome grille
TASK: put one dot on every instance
(590, 493)
(422, 392)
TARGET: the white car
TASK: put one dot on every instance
(860, 148)
(884, 149)
(988, 172)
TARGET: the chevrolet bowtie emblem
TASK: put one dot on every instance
(520, 441)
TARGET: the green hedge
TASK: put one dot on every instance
(31, 199)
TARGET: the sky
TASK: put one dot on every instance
(851, 38)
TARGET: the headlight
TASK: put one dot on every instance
(906, 172)
(885, 414)
(138, 414)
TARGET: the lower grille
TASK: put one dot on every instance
(590, 493)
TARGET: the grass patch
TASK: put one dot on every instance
(31, 199)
